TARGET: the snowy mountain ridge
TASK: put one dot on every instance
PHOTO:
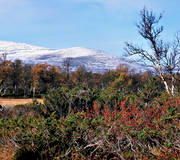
(93, 60)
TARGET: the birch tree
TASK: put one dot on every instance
(163, 57)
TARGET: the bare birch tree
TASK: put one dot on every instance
(163, 57)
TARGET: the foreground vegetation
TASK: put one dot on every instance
(125, 130)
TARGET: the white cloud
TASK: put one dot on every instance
(125, 5)
(24, 10)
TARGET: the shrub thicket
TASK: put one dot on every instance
(126, 132)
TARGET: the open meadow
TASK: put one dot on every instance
(11, 102)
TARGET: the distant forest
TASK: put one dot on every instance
(25, 80)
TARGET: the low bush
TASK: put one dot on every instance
(127, 132)
(62, 101)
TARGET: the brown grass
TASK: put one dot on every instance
(9, 102)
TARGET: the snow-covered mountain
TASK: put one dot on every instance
(93, 60)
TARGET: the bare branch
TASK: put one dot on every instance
(163, 57)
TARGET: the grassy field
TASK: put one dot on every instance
(10, 102)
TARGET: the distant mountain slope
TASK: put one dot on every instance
(93, 60)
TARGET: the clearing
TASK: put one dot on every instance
(10, 102)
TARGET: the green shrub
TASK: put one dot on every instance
(131, 132)
(62, 101)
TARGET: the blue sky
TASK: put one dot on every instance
(99, 24)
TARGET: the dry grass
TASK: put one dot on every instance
(9, 102)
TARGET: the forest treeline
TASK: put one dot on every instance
(25, 80)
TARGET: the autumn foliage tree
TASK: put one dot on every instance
(44, 77)
(5, 77)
